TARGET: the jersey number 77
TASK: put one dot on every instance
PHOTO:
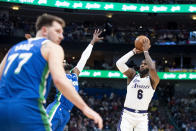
(24, 57)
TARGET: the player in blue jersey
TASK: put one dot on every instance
(59, 110)
(25, 77)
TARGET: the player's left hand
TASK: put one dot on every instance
(96, 37)
(146, 45)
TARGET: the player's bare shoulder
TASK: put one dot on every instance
(50, 47)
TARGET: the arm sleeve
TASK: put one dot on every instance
(121, 63)
(85, 55)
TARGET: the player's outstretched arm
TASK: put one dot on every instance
(54, 55)
(151, 65)
(121, 64)
(87, 52)
(3, 65)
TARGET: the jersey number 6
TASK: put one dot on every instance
(139, 94)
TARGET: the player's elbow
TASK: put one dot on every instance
(60, 85)
(118, 64)
(121, 66)
(57, 81)
(158, 80)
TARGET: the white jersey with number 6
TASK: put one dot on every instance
(139, 93)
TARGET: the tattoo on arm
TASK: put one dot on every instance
(149, 60)
(154, 76)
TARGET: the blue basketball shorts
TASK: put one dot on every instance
(23, 115)
(58, 116)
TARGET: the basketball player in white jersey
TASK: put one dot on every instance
(140, 90)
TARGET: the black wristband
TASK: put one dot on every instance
(133, 52)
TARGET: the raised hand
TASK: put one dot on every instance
(146, 44)
(96, 36)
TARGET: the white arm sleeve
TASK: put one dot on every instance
(85, 55)
(121, 62)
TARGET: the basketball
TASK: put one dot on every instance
(139, 42)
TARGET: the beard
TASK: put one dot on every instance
(143, 72)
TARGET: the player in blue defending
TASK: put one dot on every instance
(25, 78)
(59, 110)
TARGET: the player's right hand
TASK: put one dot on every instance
(146, 44)
(91, 114)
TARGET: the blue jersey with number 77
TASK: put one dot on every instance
(26, 73)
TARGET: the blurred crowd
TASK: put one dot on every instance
(158, 34)
(14, 25)
(163, 64)
(17, 26)
(183, 111)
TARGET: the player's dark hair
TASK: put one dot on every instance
(47, 20)
(68, 67)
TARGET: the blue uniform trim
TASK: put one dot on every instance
(135, 111)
